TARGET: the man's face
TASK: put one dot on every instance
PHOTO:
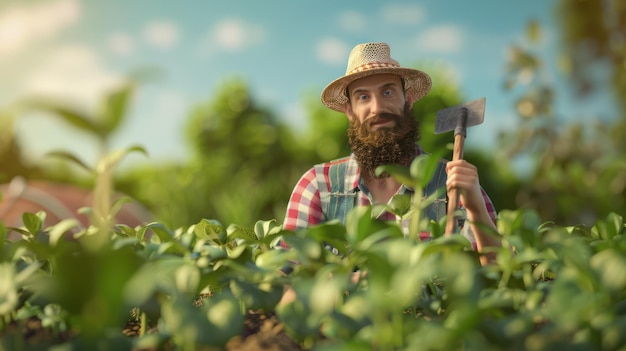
(382, 127)
(373, 96)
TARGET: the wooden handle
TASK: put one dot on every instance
(453, 194)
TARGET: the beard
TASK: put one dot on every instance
(385, 146)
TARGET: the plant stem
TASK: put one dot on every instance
(144, 322)
(414, 223)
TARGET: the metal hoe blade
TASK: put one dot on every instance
(448, 118)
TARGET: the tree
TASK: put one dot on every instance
(242, 166)
(11, 161)
(578, 175)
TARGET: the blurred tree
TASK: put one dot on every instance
(11, 159)
(593, 34)
(241, 170)
(577, 173)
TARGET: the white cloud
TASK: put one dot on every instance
(163, 35)
(441, 39)
(353, 21)
(21, 26)
(71, 73)
(332, 51)
(407, 14)
(233, 35)
(122, 44)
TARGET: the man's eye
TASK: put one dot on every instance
(388, 92)
(362, 97)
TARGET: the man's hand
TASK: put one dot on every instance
(463, 176)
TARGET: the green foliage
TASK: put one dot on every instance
(551, 287)
(575, 171)
(558, 281)
(563, 287)
(588, 24)
(243, 165)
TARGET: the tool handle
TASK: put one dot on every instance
(453, 194)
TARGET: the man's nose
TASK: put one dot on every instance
(376, 106)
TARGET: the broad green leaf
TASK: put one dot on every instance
(400, 204)
(8, 288)
(71, 157)
(327, 293)
(150, 278)
(609, 227)
(297, 316)
(423, 168)
(610, 265)
(58, 230)
(22, 231)
(114, 108)
(74, 117)
(400, 173)
(172, 247)
(360, 224)
(306, 248)
(338, 326)
(224, 314)
(187, 278)
(189, 325)
(257, 295)
(110, 160)
(235, 231)
(272, 259)
(452, 243)
(392, 231)
(161, 231)
(32, 222)
(357, 308)
(119, 243)
(26, 272)
(212, 230)
(502, 298)
(264, 228)
(330, 233)
(118, 203)
(125, 230)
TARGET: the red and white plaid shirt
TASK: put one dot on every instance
(305, 208)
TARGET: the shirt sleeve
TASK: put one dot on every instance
(304, 208)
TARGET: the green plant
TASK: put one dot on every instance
(551, 287)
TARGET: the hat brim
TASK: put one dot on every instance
(416, 85)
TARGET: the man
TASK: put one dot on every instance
(377, 96)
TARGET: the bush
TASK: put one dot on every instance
(211, 286)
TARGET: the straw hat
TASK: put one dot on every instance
(369, 59)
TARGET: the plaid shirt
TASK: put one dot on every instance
(305, 209)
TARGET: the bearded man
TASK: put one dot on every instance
(377, 96)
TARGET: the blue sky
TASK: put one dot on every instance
(76, 50)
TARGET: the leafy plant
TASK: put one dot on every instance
(551, 287)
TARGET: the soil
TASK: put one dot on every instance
(262, 331)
